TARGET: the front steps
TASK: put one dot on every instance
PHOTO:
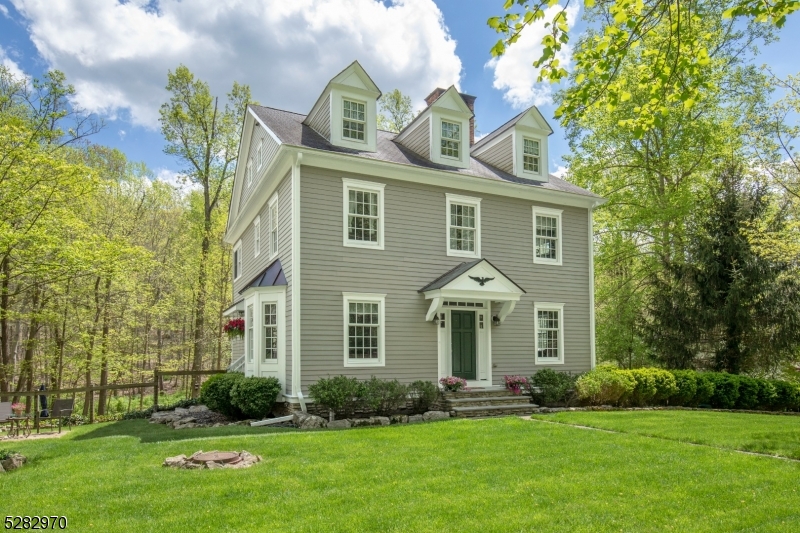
(477, 403)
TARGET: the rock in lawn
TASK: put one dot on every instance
(176, 461)
(13, 462)
(308, 421)
(435, 415)
(360, 422)
(415, 418)
(339, 424)
(379, 421)
(398, 419)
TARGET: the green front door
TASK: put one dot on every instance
(462, 333)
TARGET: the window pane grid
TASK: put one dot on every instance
(353, 120)
(363, 323)
(546, 237)
(462, 227)
(547, 338)
(362, 220)
(451, 139)
(250, 333)
(270, 332)
(530, 157)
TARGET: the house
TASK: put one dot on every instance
(415, 255)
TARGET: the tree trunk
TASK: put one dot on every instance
(25, 381)
(200, 307)
(101, 398)
(5, 345)
(90, 349)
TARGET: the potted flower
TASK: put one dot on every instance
(516, 383)
(234, 328)
(453, 384)
(18, 408)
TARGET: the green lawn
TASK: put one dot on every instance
(770, 434)
(500, 475)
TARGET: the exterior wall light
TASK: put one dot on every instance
(495, 320)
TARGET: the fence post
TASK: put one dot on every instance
(36, 412)
(91, 405)
(155, 390)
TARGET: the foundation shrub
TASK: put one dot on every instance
(340, 394)
(255, 396)
(726, 390)
(548, 387)
(215, 393)
(423, 394)
(383, 396)
(604, 385)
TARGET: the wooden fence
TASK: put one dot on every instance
(157, 374)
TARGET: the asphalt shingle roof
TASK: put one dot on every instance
(290, 130)
(458, 270)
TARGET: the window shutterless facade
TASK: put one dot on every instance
(257, 236)
(364, 329)
(463, 226)
(530, 156)
(353, 120)
(273, 225)
(451, 140)
(547, 236)
(549, 333)
(270, 346)
(237, 260)
(363, 214)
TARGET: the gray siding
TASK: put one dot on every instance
(501, 155)
(414, 255)
(252, 266)
(419, 140)
(321, 120)
(270, 148)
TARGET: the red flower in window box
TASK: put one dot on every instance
(234, 327)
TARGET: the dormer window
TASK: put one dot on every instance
(530, 156)
(353, 120)
(451, 139)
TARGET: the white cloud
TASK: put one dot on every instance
(117, 54)
(560, 171)
(514, 72)
(173, 178)
(4, 11)
(122, 134)
(10, 64)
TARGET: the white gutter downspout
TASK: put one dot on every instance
(591, 287)
(296, 381)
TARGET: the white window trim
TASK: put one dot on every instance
(548, 306)
(465, 200)
(257, 236)
(237, 258)
(263, 350)
(249, 345)
(364, 186)
(249, 172)
(273, 204)
(347, 297)
(341, 126)
(460, 140)
(556, 213)
(539, 142)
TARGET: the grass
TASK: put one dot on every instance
(769, 434)
(461, 475)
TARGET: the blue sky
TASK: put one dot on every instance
(117, 55)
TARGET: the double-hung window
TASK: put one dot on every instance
(270, 347)
(273, 225)
(364, 329)
(353, 120)
(249, 333)
(237, 260)
(549, 333)
(363, 214)
(463, 226)
(530, 156)
(547, 236)
(257, 236)
(451, 139)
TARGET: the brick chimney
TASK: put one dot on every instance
(468, 99)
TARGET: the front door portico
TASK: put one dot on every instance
(463, 344)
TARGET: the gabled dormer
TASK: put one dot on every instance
(518, 147)
(442, 133)
(345, 113)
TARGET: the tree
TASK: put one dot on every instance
(205, 138)
(398, 111)
(674, 70)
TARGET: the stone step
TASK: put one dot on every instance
(477, 393)
(491, 400)
(494, 410)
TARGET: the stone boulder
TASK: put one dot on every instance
(176, 461)
(198, 409)
(339, 424)
(308, 421)
(398, 419)
(435, 415)
(13, 462)
(413, 419)
(379, 421)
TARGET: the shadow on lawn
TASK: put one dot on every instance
(147, 432)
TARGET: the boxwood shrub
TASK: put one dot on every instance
(548, 387)
(339, 394)
(216, 393)
(384, 396)
(255, 396)
(423, 394)
(726, 390)
(604, 385)
(685, 387)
